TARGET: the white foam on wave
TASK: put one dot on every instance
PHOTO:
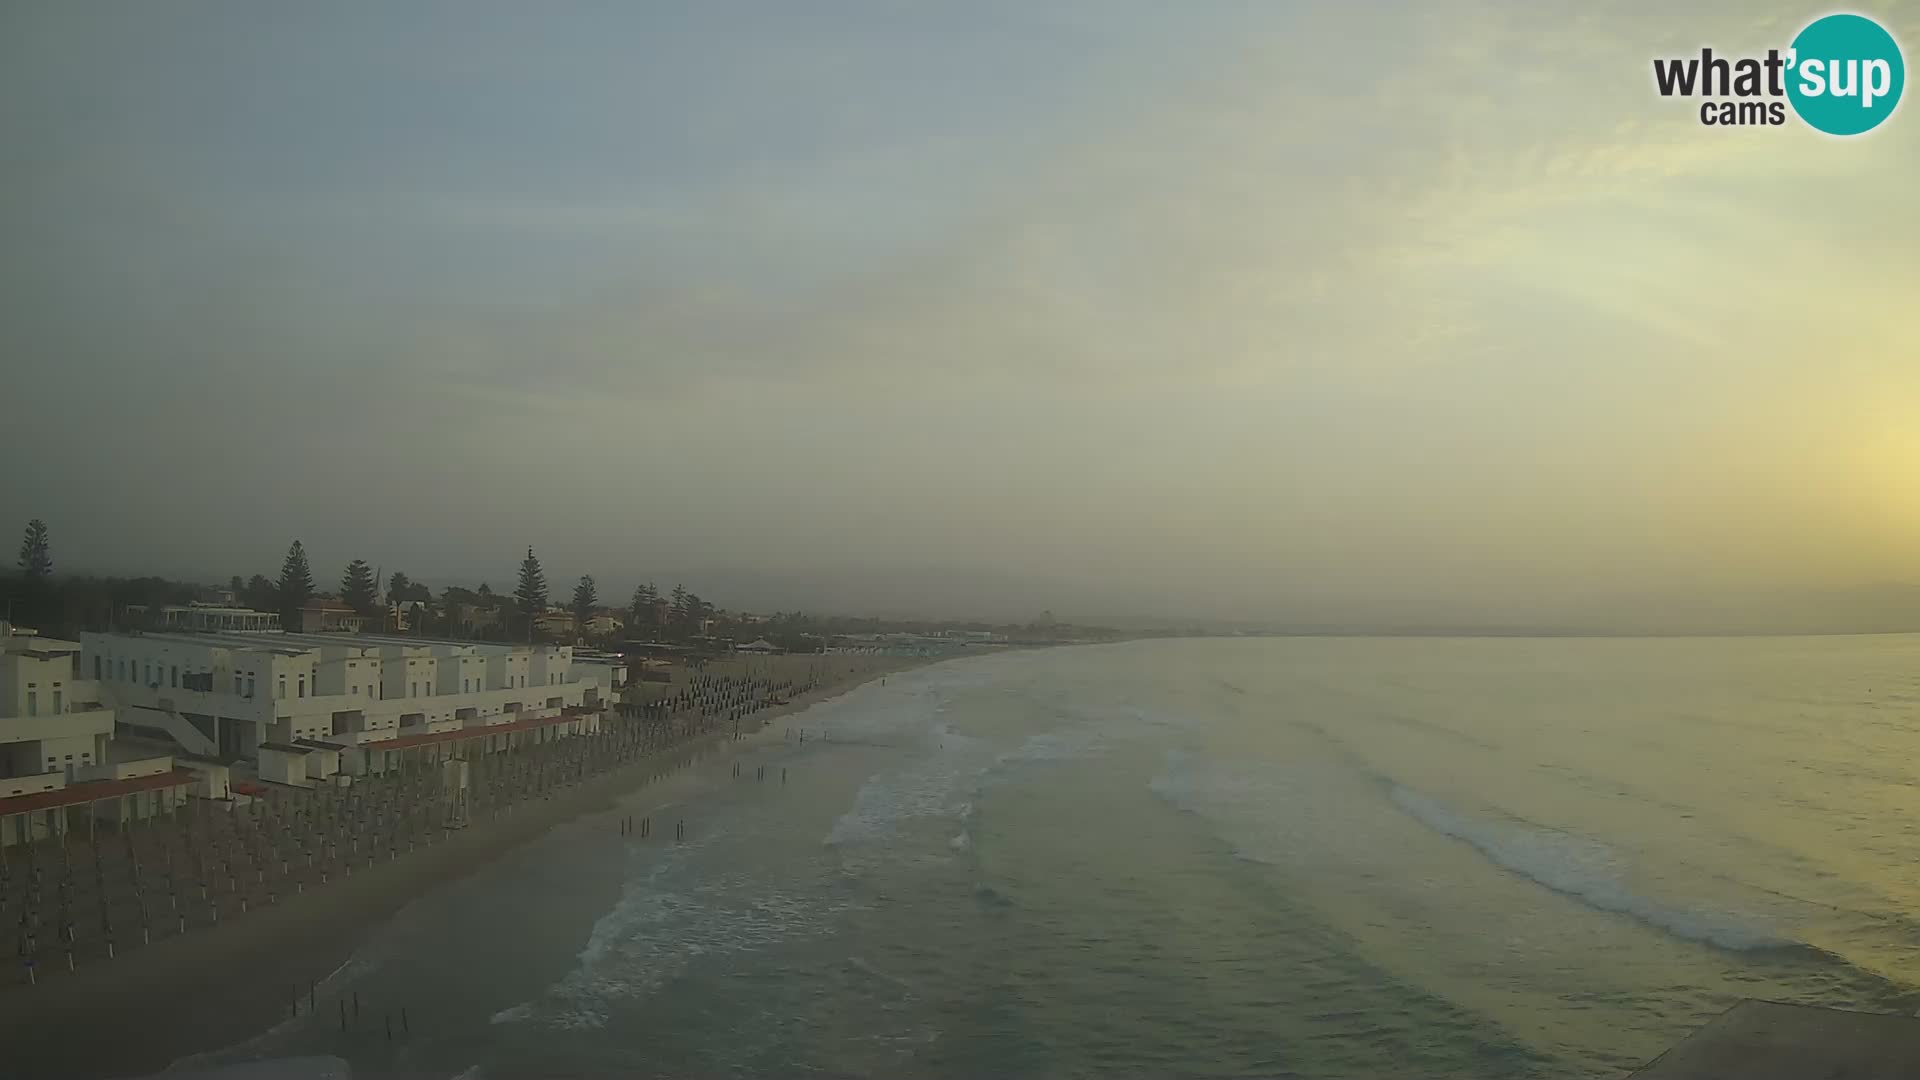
(946, 783)
(1585, 869)
(889, 799)
(1306, 818)
(1055, 746)
(513, 1014)
(933, 784)
(368, 958)
(654, 933)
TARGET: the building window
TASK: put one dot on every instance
(303, 686)
(355, 690)
(149, 671)
(33, 703)
(282, 691)
(57, 703)
(249, 684)
(96, 669)
(173, 678)
(413, 689)
(236, 684)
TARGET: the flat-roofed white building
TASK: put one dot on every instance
(57, 754)
(51, 720)
(225, 694)
(215, 617)
(609, 671)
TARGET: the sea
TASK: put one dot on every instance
(1244, 857)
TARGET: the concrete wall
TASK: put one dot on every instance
(411, 673)
(212, 779)
(322, 764)
(348, 671)
(507, 670)
(282, 767)
(23, 677)
(32, 785)
(462, 673)
(550, 666)
(130, 665)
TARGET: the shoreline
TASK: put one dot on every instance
(202, 993)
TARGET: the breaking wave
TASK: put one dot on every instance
(1586, 870)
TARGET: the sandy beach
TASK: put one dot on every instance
(186, 995)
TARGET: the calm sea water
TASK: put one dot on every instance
(1282, 857)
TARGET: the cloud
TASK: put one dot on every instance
(1417, 309)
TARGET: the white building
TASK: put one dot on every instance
(225, 694)
(609, 671)
(215, 617)
(57, 755)
(50, 721)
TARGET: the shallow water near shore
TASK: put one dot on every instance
(1280, 857)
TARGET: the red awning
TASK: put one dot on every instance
(93, 791)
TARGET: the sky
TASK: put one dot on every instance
(1289, 312)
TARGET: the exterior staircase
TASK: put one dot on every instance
(184, 731)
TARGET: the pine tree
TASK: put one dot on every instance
(296, 585)
(530, 598)
(532, 593)
(358, 589)
(485, 593)
(585, 599)
(259, 594)
(399, 587)
(236, 585)
(36, 556)
(677, 611)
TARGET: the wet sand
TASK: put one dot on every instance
(206, 990)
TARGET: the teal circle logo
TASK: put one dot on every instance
(1845, 74)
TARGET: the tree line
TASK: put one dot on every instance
(35, 597)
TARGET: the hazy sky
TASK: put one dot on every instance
(1418, 312)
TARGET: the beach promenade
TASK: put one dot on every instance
(200, 928)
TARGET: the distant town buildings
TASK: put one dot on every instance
(200, 616)
(326, 616)
(933, 643)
